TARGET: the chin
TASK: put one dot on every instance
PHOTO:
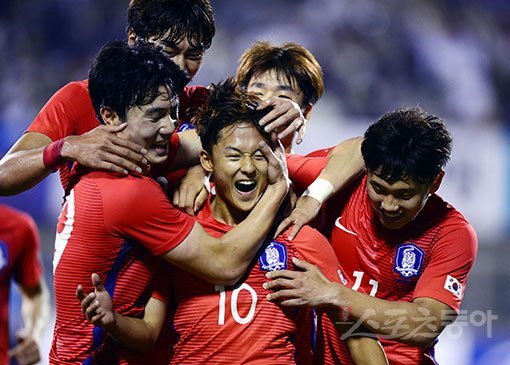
(156, 159)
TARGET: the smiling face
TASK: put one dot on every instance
(240, 171)
(152, 124)
(398, 203)
(268, 84)
(185, 55)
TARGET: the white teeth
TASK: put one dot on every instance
(246, 182)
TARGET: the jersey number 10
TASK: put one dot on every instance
(233, 304)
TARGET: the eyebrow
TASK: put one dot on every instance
(279, 86)
(234, 149)
(172, 44)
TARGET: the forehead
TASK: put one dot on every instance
(164, 99)
(182, 44)
(403, 184)
(241, 136)
(274, 79)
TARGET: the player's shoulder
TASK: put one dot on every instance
(307, 239)
(14, 216)
(75, 88)
(128, 185)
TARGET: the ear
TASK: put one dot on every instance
(131, 37)
(109, 116)
(206, 161)
(437, 182)
(307, 110)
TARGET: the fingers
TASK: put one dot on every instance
(96, 281)
(201, 199)
(283, 226)
(303, 264)
(79, 293)
(86, 303)
(301, 133)
(295, 229)
(113, 128)
(285, 297)
(282, 274)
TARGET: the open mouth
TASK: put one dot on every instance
(392, 216)
(245, 186)
(161, 148)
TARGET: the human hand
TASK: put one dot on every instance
(300, 288)
(277, 172)
(26, 352)
(102, 149)
(305, 210)
(96, 306)
(285, 118)
(192, 191)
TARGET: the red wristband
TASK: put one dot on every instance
(52, 155)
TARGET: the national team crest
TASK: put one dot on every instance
(4, 255)
(274, 257)
(408, 260)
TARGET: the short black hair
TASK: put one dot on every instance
(123, 76)
(180, 19)
(407, 143)
(227, 104)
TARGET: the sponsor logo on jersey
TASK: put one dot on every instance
(342, 227)
(274, 257)
(408, 260)
(453, 286)
(4, 255)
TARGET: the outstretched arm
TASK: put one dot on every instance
(310, 288)
(134, 333)
(34, 156)
(35, 311)
(344, 164)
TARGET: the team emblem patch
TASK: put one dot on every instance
(274, 257)
(408, 260)
(3, 255)
(453, 286)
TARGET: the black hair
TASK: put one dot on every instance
(227, 104)
(177, 19)
(407, 143)
(123, 76)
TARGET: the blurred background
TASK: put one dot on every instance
(451, 57)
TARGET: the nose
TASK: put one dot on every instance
(247, 165)
(168, 125)
(389, 204)
(180, 61)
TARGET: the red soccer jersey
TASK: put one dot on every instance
(19, 246)
(69, 112)
(430, 257)
(115, 226)
(238, 325)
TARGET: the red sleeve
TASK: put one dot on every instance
(28, 267)
(191, 99)
(136, 207)
(452, 258)
(315, 248)
(68, 112)
(304, 170)
(320, 153)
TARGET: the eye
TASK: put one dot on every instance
(285, 97)
(195, 56)
(259, 156)
(405, 196)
